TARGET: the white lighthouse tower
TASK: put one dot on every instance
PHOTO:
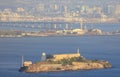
(78, 51)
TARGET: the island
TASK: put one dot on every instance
(63, 62)
(55, 33)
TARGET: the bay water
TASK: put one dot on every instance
(91, 47)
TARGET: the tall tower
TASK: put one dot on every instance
(78, 51)
(66, 26)
(81, 24)
(43, 57)
(22, 64)
(54, 26)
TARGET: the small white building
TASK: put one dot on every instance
(79, 31)
(27, 63)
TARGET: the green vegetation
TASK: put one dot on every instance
(69, 60)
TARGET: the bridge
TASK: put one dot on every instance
(48, 25)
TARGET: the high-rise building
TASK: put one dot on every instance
(110, 10)
(117, 10)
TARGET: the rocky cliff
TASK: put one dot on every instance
(41, 67)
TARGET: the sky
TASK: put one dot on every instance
(7, 2)
(26, 3)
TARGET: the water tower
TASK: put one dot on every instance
(43, 57)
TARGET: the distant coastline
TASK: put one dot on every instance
(74, 32)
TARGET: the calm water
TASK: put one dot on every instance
(91, 47)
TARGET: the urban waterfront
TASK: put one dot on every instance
(41, 26)
(92, 47)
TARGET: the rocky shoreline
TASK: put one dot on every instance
(39, 67)
(63, 62)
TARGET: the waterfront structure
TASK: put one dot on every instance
(22, 61)
(65, 56)
(79, 31)
(117, 10)
(43, 57)
(95, 32)
(27, 63)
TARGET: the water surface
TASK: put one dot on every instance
(91, 47)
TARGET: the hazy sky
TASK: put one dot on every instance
(7, 2)
(16, 3)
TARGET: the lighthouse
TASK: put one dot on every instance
(78, 51)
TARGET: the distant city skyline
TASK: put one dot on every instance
(57, 10)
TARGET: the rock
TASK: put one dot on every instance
(38, 67)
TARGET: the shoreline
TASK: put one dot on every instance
(85, 67)
(20, 36)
